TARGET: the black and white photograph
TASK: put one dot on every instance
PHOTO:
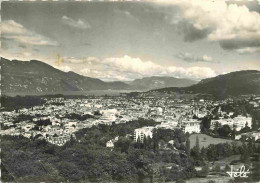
(118, 91)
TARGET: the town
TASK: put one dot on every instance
(59, 118)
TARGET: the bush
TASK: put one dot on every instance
(204, 172)
(211, 181)
(180, 181)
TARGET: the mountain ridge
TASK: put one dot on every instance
(154, 82)
(234, 83)
(36, 76)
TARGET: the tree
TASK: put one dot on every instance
(227, 168)
(234, 147)
(197, 143)
(204, 171)
(255, 170)
(203, 153)
(245, 129)
(211, 181)
(138, 142)
(145, 142)
(205, 124)
(197, 146)
(211, 152)
(254, 123)
(181, 181)
(155, 140)
(245, 154)
(216, 168)
(250, 146)
(187, 146)
(224, 131)
(216, 128)
(195, 151)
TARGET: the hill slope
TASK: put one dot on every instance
(35, 77)
(156, 82)
(38, 77)
(234, 83)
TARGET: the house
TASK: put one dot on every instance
(143, 132)
(190, 126)
(236, 123)
(110, 144)
(250, 135)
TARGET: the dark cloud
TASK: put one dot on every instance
(191, 33)
(188, 57)
(21, 46)
(87, 44)
(36, 50)
(238, 43)
(5, 42)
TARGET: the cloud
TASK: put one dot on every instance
(14, 31)
(126, 14)
(188, 57)
(113, 68)
(173, 18)
(248, 50)
(192, 72)
(239, 43)
(219, 21)
(22, 46)
(64, 68)
(191, 33)
(12, 27)
(84, 60)
(75, 24)
(85, 71)
(207, 58)
(129, 64)
(128, 68)
(24, 56)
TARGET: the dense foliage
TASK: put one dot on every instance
(87, 159)
(79, 117)
(18, 102)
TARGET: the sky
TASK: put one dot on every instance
(123, 41)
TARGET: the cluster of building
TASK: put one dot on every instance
(170, 113)
(236, 123)
(141, 133)
(249, 135)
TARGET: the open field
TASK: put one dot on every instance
(229, 159)
(205, 140)
(217, 179)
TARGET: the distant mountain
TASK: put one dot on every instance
(36, 77)
(156, 82)
(234, 83)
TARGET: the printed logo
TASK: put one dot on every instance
(240, 172)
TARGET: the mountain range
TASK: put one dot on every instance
(232, 84)
(156, 82)
(38, 77)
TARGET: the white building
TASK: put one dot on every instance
(238, 122)
(168, 125)
(110, 144)
(143, 132)
(190, 126)
(252, 135)
(241, 121)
